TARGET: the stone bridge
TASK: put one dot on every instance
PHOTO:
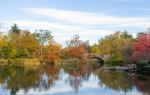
(100, 57)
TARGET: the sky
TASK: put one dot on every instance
(91, 19)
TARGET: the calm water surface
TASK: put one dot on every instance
(71, 80)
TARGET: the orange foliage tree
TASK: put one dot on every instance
(76, 47)
(52, 52)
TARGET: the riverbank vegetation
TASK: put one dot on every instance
(37, 48)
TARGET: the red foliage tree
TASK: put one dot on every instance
(141, 49)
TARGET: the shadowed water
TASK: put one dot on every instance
(79, 79)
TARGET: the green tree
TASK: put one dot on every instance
(127, 35)
(44, 37)
(14, 29)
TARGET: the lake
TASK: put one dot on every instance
(71, 80)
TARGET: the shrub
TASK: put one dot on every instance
(113, 61)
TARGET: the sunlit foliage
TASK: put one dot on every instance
(76, 47)
(52, 53)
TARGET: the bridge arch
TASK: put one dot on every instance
(100, 60)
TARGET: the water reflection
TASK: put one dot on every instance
(75, 82)
(119, 81)
(79, 79)
(17, 78)
(142, 84)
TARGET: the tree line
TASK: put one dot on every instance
(122, 46)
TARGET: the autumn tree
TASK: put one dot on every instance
(18, 43)
(141, 49)
(30, 44)
(115, 45)
(8, 50)
(8, 42)
(52, 52)
(76, 47)
(95, 49)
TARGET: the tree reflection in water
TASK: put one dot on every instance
(13, 79)
(119, 81)
(49, 74)
(75, 82)
(142, 84)
(18, 78)
(77, 74)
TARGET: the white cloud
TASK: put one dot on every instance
(63, 32)
(85, 18)
(62, 28)
(45, 25)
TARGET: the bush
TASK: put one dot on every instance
(114, 61)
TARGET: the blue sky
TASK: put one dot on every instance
(91, 19)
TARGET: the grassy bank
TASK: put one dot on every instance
(28, 63)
